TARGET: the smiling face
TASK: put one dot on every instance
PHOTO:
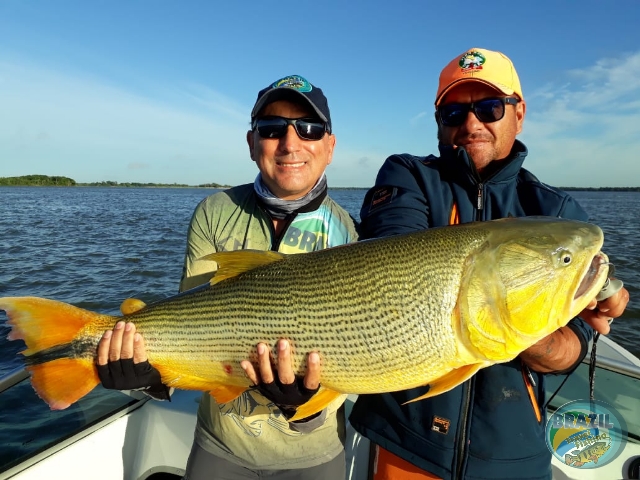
(290, 166)
(484, 142)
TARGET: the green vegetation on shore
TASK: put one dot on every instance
(600, 189)
(55, 181)
(38, 181)
(48, 181)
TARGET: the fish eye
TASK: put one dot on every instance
(565, 258)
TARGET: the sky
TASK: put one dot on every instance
(161, 91)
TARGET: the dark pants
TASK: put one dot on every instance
(204, 466)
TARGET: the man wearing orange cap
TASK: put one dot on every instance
(491, 426)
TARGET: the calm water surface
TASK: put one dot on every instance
(94, 247)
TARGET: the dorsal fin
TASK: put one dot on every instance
(234, 263)
(131, 305)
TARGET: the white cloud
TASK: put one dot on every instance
(585, 133)
(581, 131)
(59, 124)
(415, 120)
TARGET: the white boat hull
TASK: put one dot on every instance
(153, 437)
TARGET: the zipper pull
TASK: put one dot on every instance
(530, 384)
(479, 205)
(529, 375)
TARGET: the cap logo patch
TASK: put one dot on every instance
(293, 81)
(472, 60)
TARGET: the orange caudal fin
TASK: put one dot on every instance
(43, 323)
(64, 381)
(61, 364)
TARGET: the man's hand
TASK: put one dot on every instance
(287, 391)
(560, 350)
(123, 363)
(599, 314)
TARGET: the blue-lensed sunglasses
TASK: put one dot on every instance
(276, 127)
(487, 111)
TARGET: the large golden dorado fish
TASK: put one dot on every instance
(431, 307)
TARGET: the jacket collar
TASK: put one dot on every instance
(461, 163)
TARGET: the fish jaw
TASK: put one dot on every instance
(592, 282)
(525, 285)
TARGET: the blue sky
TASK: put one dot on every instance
(159, 91)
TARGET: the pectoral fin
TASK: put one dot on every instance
(449, 381)
(234, 263)
(318, 402)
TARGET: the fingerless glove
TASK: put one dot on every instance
(123, 374)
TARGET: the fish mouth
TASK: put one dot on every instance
(599, 262)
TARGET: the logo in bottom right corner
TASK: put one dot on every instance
(586, 434)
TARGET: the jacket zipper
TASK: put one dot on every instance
(462, 444)
(480, 201)
(530, 384)
(277, 239)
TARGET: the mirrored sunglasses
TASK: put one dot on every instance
(487, 111)
(276, 127)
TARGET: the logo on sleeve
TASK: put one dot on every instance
(382, 196)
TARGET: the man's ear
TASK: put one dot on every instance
(521, 109)
(250, 142)
(332, 146)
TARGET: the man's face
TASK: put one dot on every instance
(290, 166)
(484, 142)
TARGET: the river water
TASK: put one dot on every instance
(94, 247)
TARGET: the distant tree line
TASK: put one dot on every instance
(52, 181)
(602, 189)
(112, 183)
(38, 180)
(49, 181)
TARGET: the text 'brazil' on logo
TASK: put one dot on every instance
(586, 433)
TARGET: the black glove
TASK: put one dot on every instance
(287, 397)
(123, 374)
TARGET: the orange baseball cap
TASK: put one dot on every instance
(480, 65)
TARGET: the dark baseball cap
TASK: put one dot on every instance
(294, 85)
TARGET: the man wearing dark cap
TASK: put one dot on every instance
(491, 426)
(286, 209)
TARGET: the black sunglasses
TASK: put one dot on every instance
(276, 127)
(487, 111)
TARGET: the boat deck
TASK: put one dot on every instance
(110, 435)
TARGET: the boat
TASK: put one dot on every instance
(126, 435)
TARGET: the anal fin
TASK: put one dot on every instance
(226, 393)
(449, 381)
(318, 402)
(222, 389)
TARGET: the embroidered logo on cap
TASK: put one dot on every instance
(293, 81)
(472, 60)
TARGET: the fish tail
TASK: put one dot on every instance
(61, 364)
(63, 381)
